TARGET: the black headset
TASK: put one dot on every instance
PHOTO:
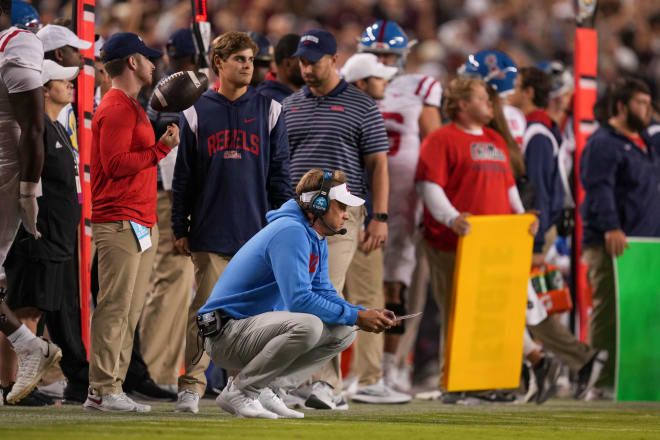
(321, 202)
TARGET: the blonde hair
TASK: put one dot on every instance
(228, 44)
(313, 179)
(460, 89)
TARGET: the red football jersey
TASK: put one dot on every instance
(474, 172)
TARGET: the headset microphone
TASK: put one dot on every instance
(342, 231)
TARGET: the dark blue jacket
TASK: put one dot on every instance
(541, 146)
(274, 89)
(622, 185)
(232, 167)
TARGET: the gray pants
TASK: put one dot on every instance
(277, 349)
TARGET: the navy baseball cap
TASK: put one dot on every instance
(123, 44)
(181, 44)
(316, 43)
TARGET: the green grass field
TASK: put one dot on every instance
(557, 419)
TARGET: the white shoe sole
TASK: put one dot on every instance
(92, 407)
(360, 398)
(54, 357)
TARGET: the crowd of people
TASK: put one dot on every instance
(312, 195)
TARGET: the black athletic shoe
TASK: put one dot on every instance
(148, 390)
(546, 373)
(589, 374)
(34, 398)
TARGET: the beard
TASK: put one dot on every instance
(635, 122)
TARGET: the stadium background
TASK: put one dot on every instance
(447, 30)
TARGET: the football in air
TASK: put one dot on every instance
(179, 91)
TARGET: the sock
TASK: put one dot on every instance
(21, 337)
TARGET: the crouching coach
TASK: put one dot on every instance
(273, 315)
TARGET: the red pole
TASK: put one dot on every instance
(586, 68)
(85, 105)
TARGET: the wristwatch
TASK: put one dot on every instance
(381, 217)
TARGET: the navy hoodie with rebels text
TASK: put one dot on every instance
(231, 168)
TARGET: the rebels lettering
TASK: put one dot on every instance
(236, 139)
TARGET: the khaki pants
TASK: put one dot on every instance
(123, 279)
(279, 349)
(171, 286)
(341, 249)
(602, 323)
(557, 338)
(441, 265)
(364, 287)
(208, 268)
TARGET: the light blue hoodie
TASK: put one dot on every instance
(283, 267)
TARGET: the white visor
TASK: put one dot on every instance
(339, 193)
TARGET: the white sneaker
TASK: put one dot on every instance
(187, 401)
(429, 395)
(139, 407)
(236, 402)
(296, 398)
(119, 402)
(379, 393)
(33, 362)
(272, 402)
(54, 390)
(321, 396)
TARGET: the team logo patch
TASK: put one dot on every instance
(313, 262)
(310, 38)
(486, 151)
(337, 108)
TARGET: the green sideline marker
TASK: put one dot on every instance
(637, 280)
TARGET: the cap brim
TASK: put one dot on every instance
(308, 54)
(341, 194)
(80, 44)
(150, 53)
(387, 72)
(66, 73)
(349, 199)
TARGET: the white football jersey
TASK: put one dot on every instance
(516, 121)
(18, 48)
(405, 97)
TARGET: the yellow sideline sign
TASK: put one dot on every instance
(489, 299)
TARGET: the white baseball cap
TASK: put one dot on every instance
(51, 70)
(364, 65)
(54, 36)
(339, 193)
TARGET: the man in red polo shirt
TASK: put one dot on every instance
(124, 159)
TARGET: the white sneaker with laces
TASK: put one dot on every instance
(33, 362)
(236, 402)
(119, 402)
(379, 393)
(187, 401)
(272, 402)
(321, 396)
